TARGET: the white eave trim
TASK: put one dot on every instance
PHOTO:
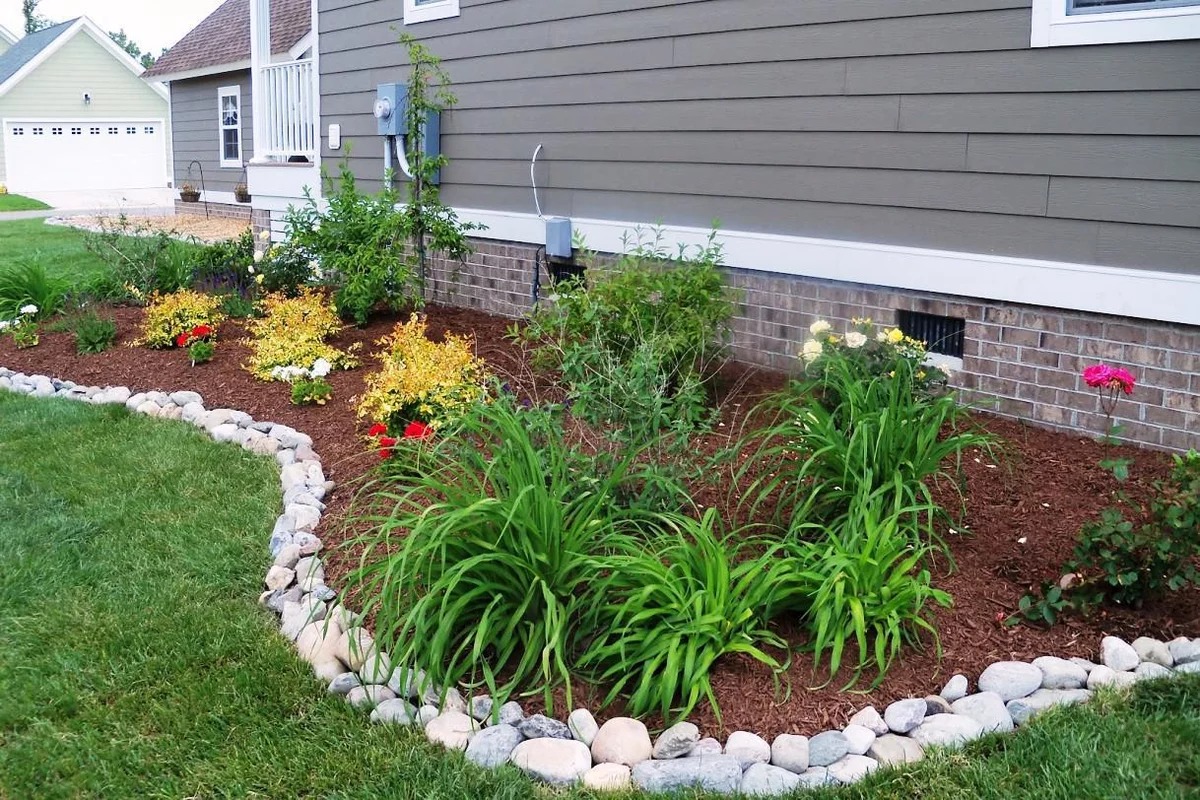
(1054, 27)
(202, 72)
(81, 24)
(7, 35)
(1140, 294)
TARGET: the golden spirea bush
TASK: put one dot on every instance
(168, 316)
(422, 380)
(292, 332)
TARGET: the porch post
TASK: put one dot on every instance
(260, 56)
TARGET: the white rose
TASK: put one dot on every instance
(812, 350)
(4, 325)
(854, 339)
(29, 309)
(258, 256)
(265, 235)
(320, 368)
(819, 327)
(945, 368)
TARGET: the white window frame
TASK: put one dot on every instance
(429, 10)
(222, 93)
(1054, 27)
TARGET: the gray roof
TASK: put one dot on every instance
(27, 49)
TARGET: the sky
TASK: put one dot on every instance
(152, 24)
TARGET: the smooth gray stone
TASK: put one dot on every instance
(558, 762)
(1184, 651)
(511, 713)
(891, 749)
(493, 746)
(480, 707)
(946, 730)
(936, 704)
(904, 715)
(826, 748)
(764, 780)
(343, 683)
(870, 719)
(583, 726)
(852, 768)
(394, 712)
(1058, 673)
(987, 709)
(1154, 651)
(1022, 710)
(539, 726)
(790, 752)
(1118, 655)
(722, 774)
(1148, 670)
(676, 741)
(1011, 679)
(956, 688)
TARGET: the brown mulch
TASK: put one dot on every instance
(1024, 512)
(181, 226)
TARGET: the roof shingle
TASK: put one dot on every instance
(224, 36)
(27, 49)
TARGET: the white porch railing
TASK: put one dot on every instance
(289, 107)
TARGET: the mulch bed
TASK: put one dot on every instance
(1024, 513)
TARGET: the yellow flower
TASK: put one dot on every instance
(895, 336)
(168, 316)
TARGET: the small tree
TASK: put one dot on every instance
(34, 21)
(431, 225)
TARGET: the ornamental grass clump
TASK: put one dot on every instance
(481, 565)
(170, 316)
(292, 332)
(420, 380)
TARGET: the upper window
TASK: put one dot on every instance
(1070, 22)
(427, 10)
(229, 99)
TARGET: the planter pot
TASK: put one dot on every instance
(189, 197)
(242, 198)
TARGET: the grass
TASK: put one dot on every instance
(15, 202)
(60, 250)
(134, 661)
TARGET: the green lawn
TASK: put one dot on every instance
(60, 250)
(15, 202)
(134, 661)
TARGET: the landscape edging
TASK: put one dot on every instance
(620, 753)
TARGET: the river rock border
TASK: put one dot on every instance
(620, 753)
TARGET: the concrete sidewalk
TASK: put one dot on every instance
(6, 216)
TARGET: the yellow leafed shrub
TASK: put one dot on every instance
(421, 380)
(292, 333)
(168, 316)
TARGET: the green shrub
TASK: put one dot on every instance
(143, 260)
(27, 284)
(815, 460)
(866, 583)
(671, 609)
(1119, 561)
(286, 269)
(237, 306)
(638, 341)
(93, 333)
(485, 561)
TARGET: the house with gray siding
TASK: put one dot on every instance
(208, 73)
(1022, 173)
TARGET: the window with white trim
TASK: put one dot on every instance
(429, 10)
(229, 108)
(1074, 22)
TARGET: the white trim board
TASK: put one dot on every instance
(1141, 294)
(1054, 27)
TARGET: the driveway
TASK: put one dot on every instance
(132, 201)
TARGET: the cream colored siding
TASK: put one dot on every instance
(55, 89)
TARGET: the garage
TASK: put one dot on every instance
(57, 155)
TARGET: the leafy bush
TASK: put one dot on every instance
(1122, 562)
(672, 609)
(224, 267)
(29, 284)
(237, 306)
(143, 260)
(814, 461)
(312, 391)
(169, 316)
(360, 244)
(421, 380)
(93, 333)
(638, 342)
(484, 562)
(292, 332)
(867, 585)
(286, 269)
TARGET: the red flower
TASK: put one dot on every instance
(418, 430)
(182, 340)
(202, 331)
(1102, 376)
(386, 443)
(378, 429)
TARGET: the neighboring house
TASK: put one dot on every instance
(7, 39)
(212, 111)
(77, 117)
(1020, 176)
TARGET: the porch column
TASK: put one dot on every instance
(260, 56)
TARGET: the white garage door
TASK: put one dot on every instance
(84, 155)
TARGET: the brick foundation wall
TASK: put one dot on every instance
(1018, 361)
(222, 210)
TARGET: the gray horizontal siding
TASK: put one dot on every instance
(196, 135)
(928, 123)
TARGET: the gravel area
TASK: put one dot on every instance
(184, 226)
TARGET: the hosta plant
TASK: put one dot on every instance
(169, 316)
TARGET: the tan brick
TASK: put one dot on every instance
(1060, 343)
(1050, 323)
(1180, 440)
(1016, 408)
(1182, 401)
(1049, 413)
(1164, 378)
(1001, 316)
(1079, 326)
(1125, 333)
(999, 352)
(1166, 417)
(1021, 336)
(1098, 348)
(1146, 356)
(1059, 380)
(1040, 358)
